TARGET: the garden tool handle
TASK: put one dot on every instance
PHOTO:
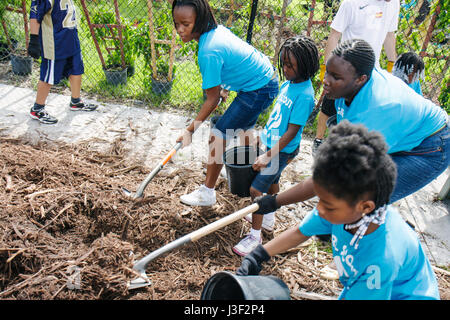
(160, 165)
(171, 153)
(195, 235)
(141, 265)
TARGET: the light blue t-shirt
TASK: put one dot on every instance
(386, 104)
(389, 264)
(227, 60)
(293, 105)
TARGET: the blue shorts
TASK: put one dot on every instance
(272, 173)
(53, 71)
(245, 109)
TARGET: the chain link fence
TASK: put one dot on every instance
(131, 50)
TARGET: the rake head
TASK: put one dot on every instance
(130, 194)
(142, 281)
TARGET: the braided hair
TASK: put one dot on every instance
(359, 54)
(409, 63)
(353, 162)
(305, 53)
(205, 20)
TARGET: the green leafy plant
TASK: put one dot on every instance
(444, 97)
(9, 3)
(113, 59)
(10, 39)
(142, 46)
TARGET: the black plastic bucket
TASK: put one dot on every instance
(116, 77)
(162, 86)
(238, 164)
(228, 286)
(21, 65)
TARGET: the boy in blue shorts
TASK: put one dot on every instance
(226, 63)
(410, 68)
(298, 63)
(377, 255)
(54, 35)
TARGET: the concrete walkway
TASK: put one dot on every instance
(147, 135)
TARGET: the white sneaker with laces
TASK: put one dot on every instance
(203, 196)
(268, 220)
(246, 245)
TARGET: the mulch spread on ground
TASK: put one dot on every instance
(68, 232)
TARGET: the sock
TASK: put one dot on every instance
(37, 107)
(270, 215)
(75, 100)
(255, 233)
(209, 190)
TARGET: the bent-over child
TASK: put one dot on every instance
(226, 63)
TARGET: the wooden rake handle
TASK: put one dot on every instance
(141, 265)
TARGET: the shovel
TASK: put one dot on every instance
(138, 194)
(161, 164)
(140, 266)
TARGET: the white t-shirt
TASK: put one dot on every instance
(369, 20)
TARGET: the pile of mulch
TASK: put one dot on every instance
(68, 232)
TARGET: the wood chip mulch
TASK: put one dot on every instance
(68, 232)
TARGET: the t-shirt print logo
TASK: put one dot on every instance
(362, 7)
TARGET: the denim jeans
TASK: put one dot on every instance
(272, 173)
(245, 109)
(421, 165)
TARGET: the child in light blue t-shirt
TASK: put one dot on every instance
(377, 254)
(298, 62)
(410, 68)
(226, 63)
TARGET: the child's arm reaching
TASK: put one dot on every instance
(263, 160)
(212, 99)
(251, 265)
(302, 191)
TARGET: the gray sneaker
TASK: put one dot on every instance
(81, 106)
(43, 116)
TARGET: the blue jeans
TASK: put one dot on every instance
(421, 165)
(272, 173)
(245, 109)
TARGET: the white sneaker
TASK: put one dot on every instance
(246, 245)
(203, 196)
(268, 220)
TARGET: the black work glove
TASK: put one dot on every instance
(251, 265)
(266, 204)
(34, 48)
